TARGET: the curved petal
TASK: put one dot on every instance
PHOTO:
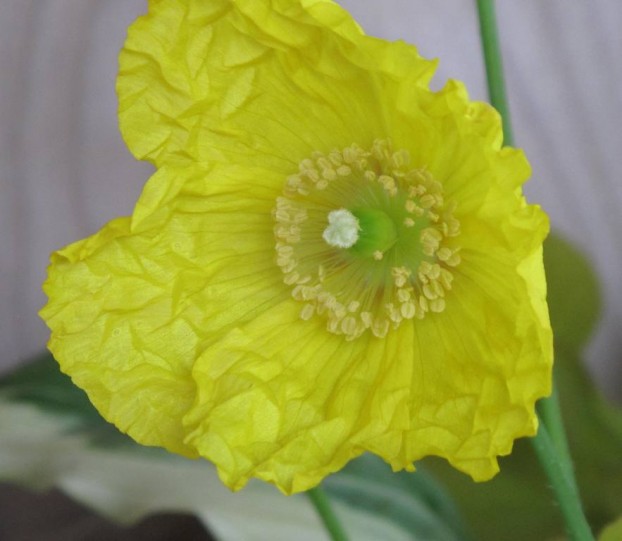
(132, 307)
(459, 142)
(262, 82)
(283, 400)
(480, 366)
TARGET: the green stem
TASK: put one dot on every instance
(322, 505)
(494, 65)
(550, 413)
(563, 484)
(553, 452)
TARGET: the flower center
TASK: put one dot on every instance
(364, 240)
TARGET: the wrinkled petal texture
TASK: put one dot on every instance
(200, 81)
(176, 320)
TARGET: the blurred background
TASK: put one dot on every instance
(64, 170)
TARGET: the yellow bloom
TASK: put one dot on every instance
(330, 258)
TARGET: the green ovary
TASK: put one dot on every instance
(378, 232)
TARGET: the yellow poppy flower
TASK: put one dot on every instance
(330, 258)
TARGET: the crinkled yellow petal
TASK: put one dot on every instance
(132, 307)
(458, 141)
(482, 364)
(177, 321)
(283, 400)
(258, 82)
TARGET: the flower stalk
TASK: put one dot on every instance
(561, 476)
(550, 443)
(322, 505)
(494, 66)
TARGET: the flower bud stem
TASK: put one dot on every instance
(550, 443)
(321, 502)
(558, 468)
(494, 66)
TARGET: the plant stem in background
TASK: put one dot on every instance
(552, 453)
(322, 505)
(550, 414)
(561, 476)
(494, 66)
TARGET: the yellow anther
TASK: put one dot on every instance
(408, 310)
(291, 278)
(324, 163)
(454, 260)
(446, 279)
(415, 191)
(305, 165)
(312, 174)
(400, 159)
(294, 181)
(444, 253)
(427, 201)
(344, 171)
(400, 276)
(429, 291)
(366, 319)
(336, 158)
(434, 271)
(348, 325)
(307, 312)
(388, 183)
(404, 295)
(322, 184)
(380, 328)
(350, 154)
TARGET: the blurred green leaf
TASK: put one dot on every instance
(594, 429)
(39, 450)
(573, 293)
(42, 384)
(415, 501)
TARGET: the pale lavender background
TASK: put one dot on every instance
(64, 170)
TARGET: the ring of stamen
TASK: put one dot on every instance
(364, 240)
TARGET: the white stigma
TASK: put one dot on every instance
(343, 229)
